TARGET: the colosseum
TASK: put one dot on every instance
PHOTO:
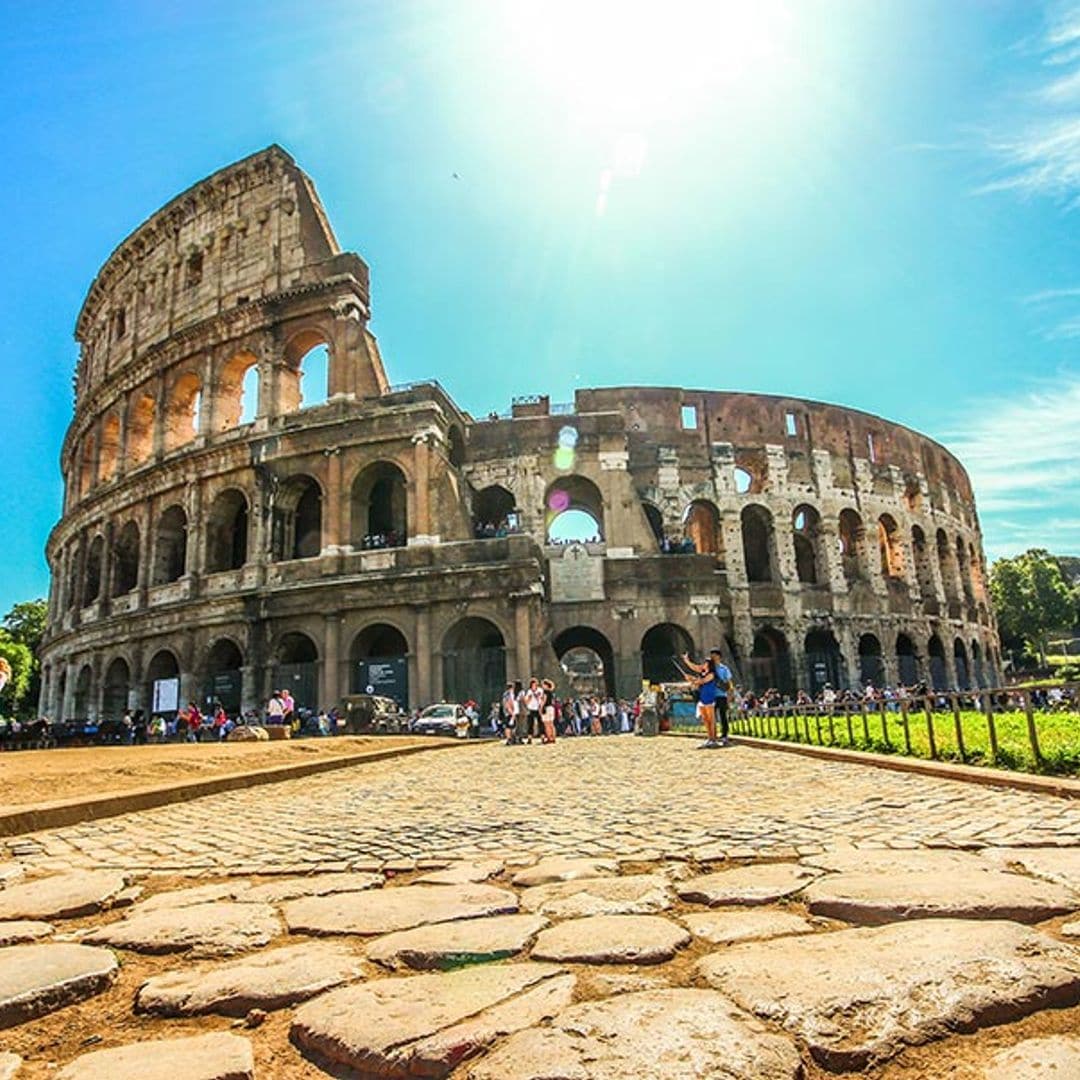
(230, 524)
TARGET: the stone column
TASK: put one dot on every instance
(522, 638)
(123, 410)
(421, 662)
(249, 689)
(331, 669)
(419, 527)
(146, 552)
(107, 568)
(67, 707)
(160, 419)
(333, 534)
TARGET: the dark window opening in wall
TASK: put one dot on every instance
(871, 665)
(379, 507)
(82, 693)
(93, 570)
(661, 648)
(474, 662)
(224, 678)
(296, 669)
(791, 424)
(378, 663)
(939, 676)
(574, 510)
(890, 548)
(960, 661)
(757, 543)
(194, 269)
(770, 662)
(743, 480)
(227, 532)
(806, 525)
(114, 698)
(824, 661)
(689, 417)
(120, 324)
(906, 661)
(170, 551)
(297, 528)
(494, 513)
(701, 524)
(126, 560)
(656, 522)
(852, 544)
(913, 495)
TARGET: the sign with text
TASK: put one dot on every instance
(166, 697)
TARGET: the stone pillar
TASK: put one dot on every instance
(334, 539)
(207, 398)
(123, 411)
(522, 639)
(421, 662)
(67, 707)
(160, 419)
(146, 552)
(331, 669)
(420, 526)
(107, 568)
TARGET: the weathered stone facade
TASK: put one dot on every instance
(239, 552)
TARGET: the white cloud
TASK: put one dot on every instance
(1023, 456)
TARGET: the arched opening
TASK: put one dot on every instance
(960, 661)
(227, 532)
(977, 665)
(656, 522)
(661, 648)
(946, 565)
(757, 538)
(182, 411)
(163, 684)
(114, 694)
(82, 693)
(587, 660)
(140, 430)
(770, 661)
(94, 557)
(170, 548)
(379, 663)
(871, 665)
(126, 560)
(824, 661)
(296, 669)
(852, 546)
(237, 399)
(379, 507)
(456, 446)
(744, 480)
(574, 510)
(701, 523)
(315, 377)
(907, 664)
(298, 519)
(109, 457)
(923, 567)
(939, 676)
(806, 530)
(474, 663)
(890, 548)
(224, 676)
(494, 513)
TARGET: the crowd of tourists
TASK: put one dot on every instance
(374, 541)
(530, 712)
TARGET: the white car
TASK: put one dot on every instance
(443, 718)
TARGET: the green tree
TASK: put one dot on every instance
(22, 664)
(24, 625)
(26, 622)
(1031, 598)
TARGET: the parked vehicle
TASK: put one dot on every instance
(368, 714)
(443, 718)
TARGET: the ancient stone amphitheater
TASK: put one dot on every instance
(229, 524)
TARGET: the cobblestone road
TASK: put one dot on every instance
(622, 796)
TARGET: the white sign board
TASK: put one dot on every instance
(166, 695)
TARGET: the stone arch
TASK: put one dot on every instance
(116, 689)
(890, 548)
(960, 662)
(824, 660)
(935, 651)
(758, 543)
(163, 667)
(139, 446)
(183, 408)
(587, 660)
(170, 546)
(224, 676)
(810, 565)
(907, 662)
(232, 397)
(305, 380)
(298, 519)
(95, 559)
(296, 668)
(701, 523)
(852, 546)
(379, 658)
(574, 510)
(661, 647)
(474, 662)
(227, 531)
(871, 664)
(494, 511)
(379, 506)
(770, 661)
(109, 453)
(83, 700)
(125, 564)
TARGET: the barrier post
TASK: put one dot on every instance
(959, 726)
(928, 705)
(1033, 736)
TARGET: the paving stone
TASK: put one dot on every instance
(561, 868)
(764, 884)
(674, 1034)
(218, 1056)
(9, 1065)
(1071, 929)
(60, 896)
(1052, 1057)
(268, 980)
(728, 927)
(874, 898)
(318, 885)
(9, 872)
(424, 1025)
(456, 944)
(387, 910)
(463, 873)
(861, 860)
(1060, 865)
(20, 931)
(198, 894)
(635, 894)
(612, 939)
(38, 979)
(213, 929)
(858, 997)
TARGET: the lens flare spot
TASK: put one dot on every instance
(564, 458)
(568, 436)
(558, 501)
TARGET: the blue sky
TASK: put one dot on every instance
(868, 203)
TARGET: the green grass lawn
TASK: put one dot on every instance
(1058, 736)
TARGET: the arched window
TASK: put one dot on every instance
(824, 661)
(379, 503)
(939, 677)
(94, 561)
(892, 552)
(661, 648)
(126, 560)
(305, 381)
(182, 410)
(701, 523)
(574, 511)
(237, 398)
(224, 678)
(140, 430)
(757, 538)
(109, 457)
(809, 557)
(298, 519)
(871, 666)
(744, 480)
(170, 547)
(852, 546)
(163, 683)
(960, 662)
(770, 661)
(907, 662)
(977, 665)
(114, 700)
(474, 663)
(296, 668)
(587, 660)
(227, 532)
(379, 663)
(83, 696)
(494, 513)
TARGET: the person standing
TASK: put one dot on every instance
(534, 702)
(705, 683)
(724, 687)
(547, 710)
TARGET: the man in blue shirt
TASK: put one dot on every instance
(722, 678)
